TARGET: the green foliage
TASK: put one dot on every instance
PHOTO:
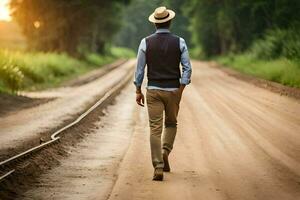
(122, 52)
(181, 23)
(97, 59)
(280, 70)
(203, 15)
(291, 47)
(10, 74)
(112, 54)
(277, 43)
(271, 46)
(136, 25)
(220, 27)
(196, 53)
(21, 70)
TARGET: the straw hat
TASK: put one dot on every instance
(161, 15)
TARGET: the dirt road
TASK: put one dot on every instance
(23, 129)
(235, 141)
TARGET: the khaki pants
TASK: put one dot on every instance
(162, 102)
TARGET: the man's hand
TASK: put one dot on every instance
(140, 99)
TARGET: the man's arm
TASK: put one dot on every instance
(139, 73)
(186, 65)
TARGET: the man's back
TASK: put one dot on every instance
(163, 59)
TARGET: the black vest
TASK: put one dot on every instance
(163, 60)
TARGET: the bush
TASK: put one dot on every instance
(291, 47)
(271, 46)
(97, 59)
(21, 70)
(278, 43)
(31, 70)
(122, 52)
(11, 76)
(111, 54)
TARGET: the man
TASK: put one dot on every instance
(162, 52)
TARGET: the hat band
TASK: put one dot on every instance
(159, 18)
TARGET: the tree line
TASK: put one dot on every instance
(270, 28)
(223, 26)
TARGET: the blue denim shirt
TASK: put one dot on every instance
(141, 63)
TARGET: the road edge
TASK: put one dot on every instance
(278, 88)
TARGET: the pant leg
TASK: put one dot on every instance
(171, 101)
(155, 112)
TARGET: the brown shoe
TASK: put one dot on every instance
(158, 174)
(166, 162)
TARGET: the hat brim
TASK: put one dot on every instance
(158, 21)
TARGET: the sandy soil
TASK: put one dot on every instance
(22, 129)
(10, 103)
(91, 169)
(235, 141)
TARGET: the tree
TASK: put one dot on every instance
(65, 25)
(136, 25)
(223, 26)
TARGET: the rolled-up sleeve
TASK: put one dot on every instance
(141, 63)
(186, 64)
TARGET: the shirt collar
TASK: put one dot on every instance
(162, 30)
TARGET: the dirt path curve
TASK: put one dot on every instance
(24, 128)
(235, 141)
(91, 169)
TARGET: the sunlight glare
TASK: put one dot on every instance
(37, 24)
(4, 10)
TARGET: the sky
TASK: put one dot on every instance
(4, 10)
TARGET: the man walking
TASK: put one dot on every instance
(162, 52)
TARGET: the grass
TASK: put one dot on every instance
(21, 70)
(122, 52)
(279, 70)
